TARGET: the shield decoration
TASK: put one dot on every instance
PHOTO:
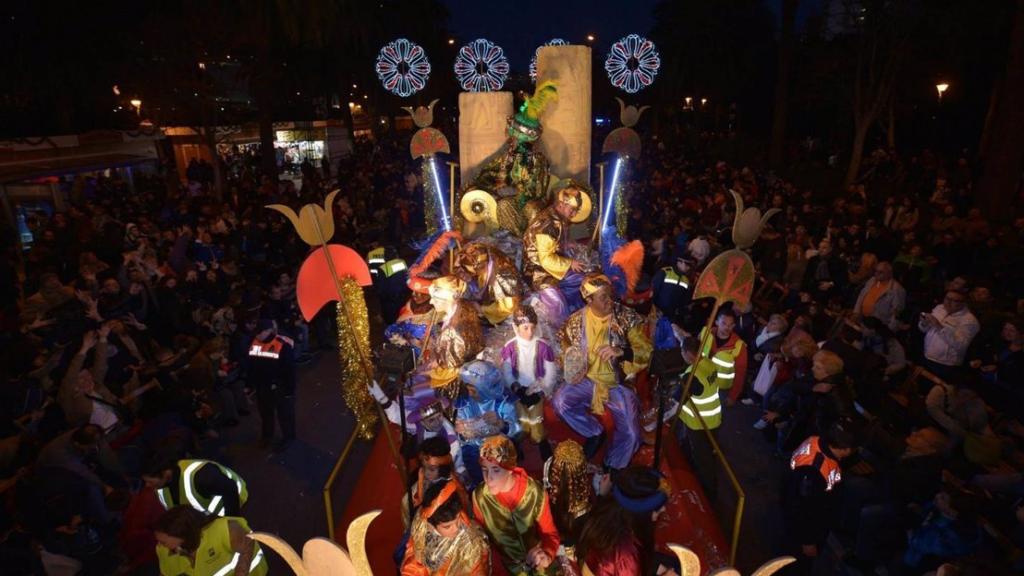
(623, 141)
(728, 278)
(427, 142)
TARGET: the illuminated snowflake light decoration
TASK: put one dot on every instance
(481, 66)
(402, 67)
(533, 61)
(632, 63)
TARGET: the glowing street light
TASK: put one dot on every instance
(688, 103)
(451, 41)
(138, 106)
(703, 102)
(590, 37)
(941, 89)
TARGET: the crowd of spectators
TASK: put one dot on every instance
(892, 310)
(127, 321)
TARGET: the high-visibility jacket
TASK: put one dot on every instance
(671, 292)
(675, 278)
(188, 494)
(810, 454)
(214, 557)
(706, 403)
(375, 258)
(730, 361)
(392, 267)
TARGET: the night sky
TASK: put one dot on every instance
(519, 27)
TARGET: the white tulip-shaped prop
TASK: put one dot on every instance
(322, 557)
(748, 223)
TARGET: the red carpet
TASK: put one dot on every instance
(689, 519)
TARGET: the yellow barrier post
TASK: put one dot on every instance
(328, 503)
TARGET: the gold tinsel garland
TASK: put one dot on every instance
(353, 351)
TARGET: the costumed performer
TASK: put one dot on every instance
(436, 464)
(411, 325)
(529, 370)
(619, 533)
(444, 541)
(603, 344)
(484, 408)
(552, 272)
(514, 510)
(571, 484)
(518, 175)
(491, 278)
(456, 339)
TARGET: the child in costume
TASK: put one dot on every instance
(514, 511)
(484, 408)
(529, 370)
(444, 541)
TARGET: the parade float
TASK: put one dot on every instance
(516, 221)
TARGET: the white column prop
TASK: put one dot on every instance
(567, 122)
(482, 130)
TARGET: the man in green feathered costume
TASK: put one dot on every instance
(518, 176)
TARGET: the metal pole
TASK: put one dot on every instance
(659, 426)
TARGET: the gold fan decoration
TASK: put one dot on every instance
(321, 557)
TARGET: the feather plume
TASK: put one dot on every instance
(545, 94)
(435, 249)
(611, 243)
(630, 258)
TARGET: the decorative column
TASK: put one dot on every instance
(482, 129)
(567, 122)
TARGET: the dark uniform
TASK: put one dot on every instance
(271, 373)
(673, 291)
(392, 288)
(809, 498)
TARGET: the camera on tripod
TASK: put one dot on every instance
(394, 362)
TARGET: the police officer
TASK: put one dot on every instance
(271, 370)
(703, 404)
(809, 493)
(673, 288)
(205, 485)
(392, 287)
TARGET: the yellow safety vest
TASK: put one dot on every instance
(724, 360)
(187, 493)
(676, 279)
(393, 267)
(214, 557)
(707, 403)
(375, 258)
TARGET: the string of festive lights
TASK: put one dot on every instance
(632, 63)
(402, 67)
(481, 66)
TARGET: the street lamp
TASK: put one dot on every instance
(703, 102)
(138, 106)
(688, 103)
(590, 37)
(941, 88)
(451, 41)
